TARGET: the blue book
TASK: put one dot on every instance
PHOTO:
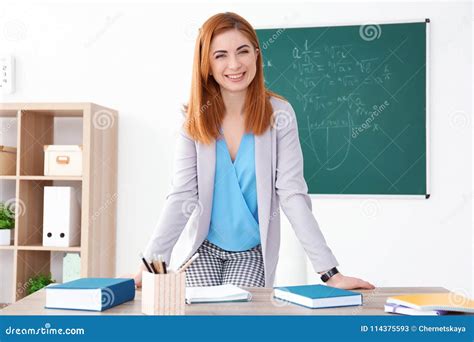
(406, 310)
(317, 296)
(92, 294)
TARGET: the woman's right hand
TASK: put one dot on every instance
(137, 277)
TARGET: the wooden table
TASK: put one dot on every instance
(262, 303)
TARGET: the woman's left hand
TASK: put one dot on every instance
(349, 283)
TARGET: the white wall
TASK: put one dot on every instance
(137, 59)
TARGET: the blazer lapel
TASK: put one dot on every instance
(206, 167)
(263, 159)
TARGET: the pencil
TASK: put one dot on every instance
(155, 271)
(163, 264)
(188, 263)
(157, 264)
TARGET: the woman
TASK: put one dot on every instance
(238, 160)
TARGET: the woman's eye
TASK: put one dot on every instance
(244, 51)
(218, 56)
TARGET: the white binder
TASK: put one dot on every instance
(61, 217)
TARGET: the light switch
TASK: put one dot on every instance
(7, 74)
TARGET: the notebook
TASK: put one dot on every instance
(448, 301)
(217, 294)
(91, 294)
(405, 310)
(318, 296)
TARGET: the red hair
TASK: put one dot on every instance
(205, 109)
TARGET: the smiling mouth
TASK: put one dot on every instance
(236, 77)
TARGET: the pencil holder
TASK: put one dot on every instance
(163, 294)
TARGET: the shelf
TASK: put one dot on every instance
(7, 113)
(44, 178)
(8, 177)
(52, 178)
(56, 109)
(30, 127)
(49, 249)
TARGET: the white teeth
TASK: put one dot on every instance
(235, 76)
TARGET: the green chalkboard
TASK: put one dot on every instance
(359, 93)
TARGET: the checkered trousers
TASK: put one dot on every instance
(216, 266)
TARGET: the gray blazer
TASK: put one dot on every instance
(280, 182)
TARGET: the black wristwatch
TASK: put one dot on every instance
(326, 276)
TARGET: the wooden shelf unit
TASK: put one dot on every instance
(98, 184)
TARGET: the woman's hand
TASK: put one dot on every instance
(137, 277)
(349, 283)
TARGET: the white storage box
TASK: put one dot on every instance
(63, 160)
(61, 217)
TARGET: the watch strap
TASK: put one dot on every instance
(327, 275)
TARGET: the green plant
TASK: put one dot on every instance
(38, 282)
(7, 217)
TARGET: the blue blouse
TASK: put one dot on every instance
(234, 217)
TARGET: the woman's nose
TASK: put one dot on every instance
(234, 62)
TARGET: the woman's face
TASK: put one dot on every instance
(233, 61)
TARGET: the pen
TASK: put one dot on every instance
(146, 264)
(186, 265)
(163, 264)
